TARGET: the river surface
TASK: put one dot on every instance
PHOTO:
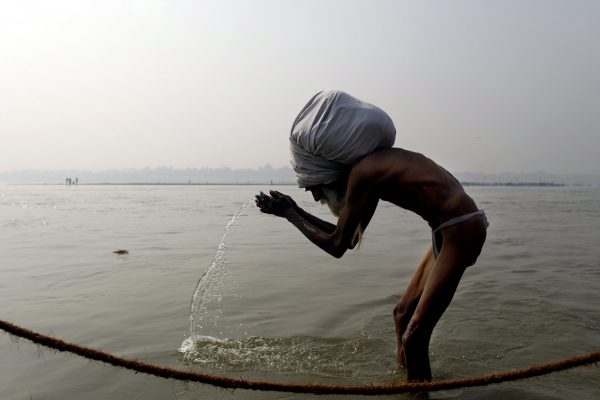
(272, 306)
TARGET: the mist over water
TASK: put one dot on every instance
(270, 305)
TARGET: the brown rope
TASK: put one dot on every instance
(237, 383)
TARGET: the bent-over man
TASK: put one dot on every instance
(342, 153)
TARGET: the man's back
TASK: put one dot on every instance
(411, 181)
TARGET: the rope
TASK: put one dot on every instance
(238, 383)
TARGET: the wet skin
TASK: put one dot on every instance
(416, 183)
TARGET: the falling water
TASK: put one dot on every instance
(208, 346)
(208, 289)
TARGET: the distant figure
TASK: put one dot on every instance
(342, 153)
(77, 181)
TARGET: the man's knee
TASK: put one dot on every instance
(403, 310)
(406, 307)
(416, 336)
(399, 311)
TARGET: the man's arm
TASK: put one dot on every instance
(361, 203)
(316, 221)
(342, 239)
(284, 206)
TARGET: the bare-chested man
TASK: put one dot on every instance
(416, 183)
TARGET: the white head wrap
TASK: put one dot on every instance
(333, 132)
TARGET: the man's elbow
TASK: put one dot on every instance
(338, 251)
(335, 247)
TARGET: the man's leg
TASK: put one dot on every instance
(462, 245)
(408, 303)
(435, 298)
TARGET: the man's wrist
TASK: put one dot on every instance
(290, 212)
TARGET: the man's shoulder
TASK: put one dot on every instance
(373, 169)
(379, 162)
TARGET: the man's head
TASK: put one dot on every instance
(332, 133)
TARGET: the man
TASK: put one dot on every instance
(342, 154)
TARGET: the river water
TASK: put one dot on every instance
(273, 306)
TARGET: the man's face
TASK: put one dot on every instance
(316, 191)
(332, 195)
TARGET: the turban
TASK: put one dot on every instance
(333, 132)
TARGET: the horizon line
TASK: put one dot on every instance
(258, 168)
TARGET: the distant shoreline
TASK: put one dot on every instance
(496, 184)
(263, 175)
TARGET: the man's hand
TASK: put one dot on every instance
(277, 204)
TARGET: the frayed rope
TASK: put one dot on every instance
(237, 383)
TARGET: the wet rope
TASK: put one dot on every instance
(238, 383)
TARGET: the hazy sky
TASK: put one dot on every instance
(486, 86)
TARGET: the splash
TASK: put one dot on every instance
(204, 308)
(208, 347)
(327, 357)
